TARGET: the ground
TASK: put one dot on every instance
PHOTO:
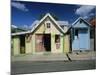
(24, 67)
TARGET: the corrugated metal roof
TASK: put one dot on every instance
(33, 24)
(64, 23)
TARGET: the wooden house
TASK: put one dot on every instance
(46, 36)
(80, 35)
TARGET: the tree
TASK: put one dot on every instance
(93, 22)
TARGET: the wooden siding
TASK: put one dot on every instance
(81, 39)
(66, 44)
(16, 45)
(39, 46)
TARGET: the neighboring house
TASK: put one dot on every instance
(93, 33)
(80, 35)
(93, 22)
(93, 27)
(15, 29)
(46, 36)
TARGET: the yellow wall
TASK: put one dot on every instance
(28, 46)
(66, 43)
(16, 45)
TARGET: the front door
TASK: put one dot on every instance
(42, 42)
(39, 43)
(83, 39)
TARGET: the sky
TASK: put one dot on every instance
(23, 14)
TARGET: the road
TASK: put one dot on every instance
(22, 67)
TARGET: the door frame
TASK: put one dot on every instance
(76, 41)
(43, 42)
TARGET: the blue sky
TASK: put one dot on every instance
(23, 14)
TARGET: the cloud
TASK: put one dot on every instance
(85, 11)
(92, 14)
(14, 26)
(25, 27)
(89, 15)
(19, 6)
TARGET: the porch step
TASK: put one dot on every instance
(40, 57)
(55, 57)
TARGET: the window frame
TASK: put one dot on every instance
(76, 31)
(48, 25)
(57, 38)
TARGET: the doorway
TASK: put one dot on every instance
(43, 42)
(47, 42)
(22, 44)
(81, 39)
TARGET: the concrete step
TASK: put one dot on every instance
(55, 57)
(40, 57)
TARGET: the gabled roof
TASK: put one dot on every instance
(80, 18)
(47, 15)
(76, 22)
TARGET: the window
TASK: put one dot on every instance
(48, 25)
(57, 41)
(57, 38)
(76, 33)
(80, 21)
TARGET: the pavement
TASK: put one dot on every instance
(40, 63)
(40, 57)
(55, 57)
(83, 55)
(28, 67)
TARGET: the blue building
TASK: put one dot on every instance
(80, 35)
